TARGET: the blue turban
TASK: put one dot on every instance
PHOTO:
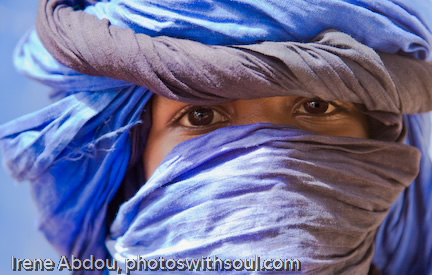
(76, 151)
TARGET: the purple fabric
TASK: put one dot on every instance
(334, 66)
(316, 198)
(404, 240)
(75, 152)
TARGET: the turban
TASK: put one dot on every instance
(105, 61)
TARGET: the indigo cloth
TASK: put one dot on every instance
(75, 152)
(316, 198)
(329, 67)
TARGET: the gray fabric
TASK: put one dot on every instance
(334, 66)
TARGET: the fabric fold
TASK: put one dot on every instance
(75, 152)
(334, 66)
(318, 199)
(90, 130)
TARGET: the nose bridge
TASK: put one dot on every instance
(265, 110)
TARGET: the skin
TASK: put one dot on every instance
(174, 122)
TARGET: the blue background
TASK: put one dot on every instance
(19, 95)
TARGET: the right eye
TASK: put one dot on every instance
(201, 116)
(315, 107)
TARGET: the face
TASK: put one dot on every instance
(174, 122)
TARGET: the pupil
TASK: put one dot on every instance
(201, 116)
(316, 106)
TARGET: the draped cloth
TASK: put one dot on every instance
(303, 196)
(329, 67)
(76, 151)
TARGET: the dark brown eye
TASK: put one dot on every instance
(201, 116)
(316, 107)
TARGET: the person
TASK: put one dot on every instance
(116, 173)
(174, 122)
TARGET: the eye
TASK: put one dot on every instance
(315, 106)
(200, 116)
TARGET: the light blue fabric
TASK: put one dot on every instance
(90, 122)
(392, 26)
(90, 131)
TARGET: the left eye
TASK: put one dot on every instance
(201, 116)
(315, 107)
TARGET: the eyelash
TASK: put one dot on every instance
(296, 106)
(189, 108)
(337, 108)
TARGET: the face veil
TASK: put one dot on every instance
(318, 199)
(102, 97)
